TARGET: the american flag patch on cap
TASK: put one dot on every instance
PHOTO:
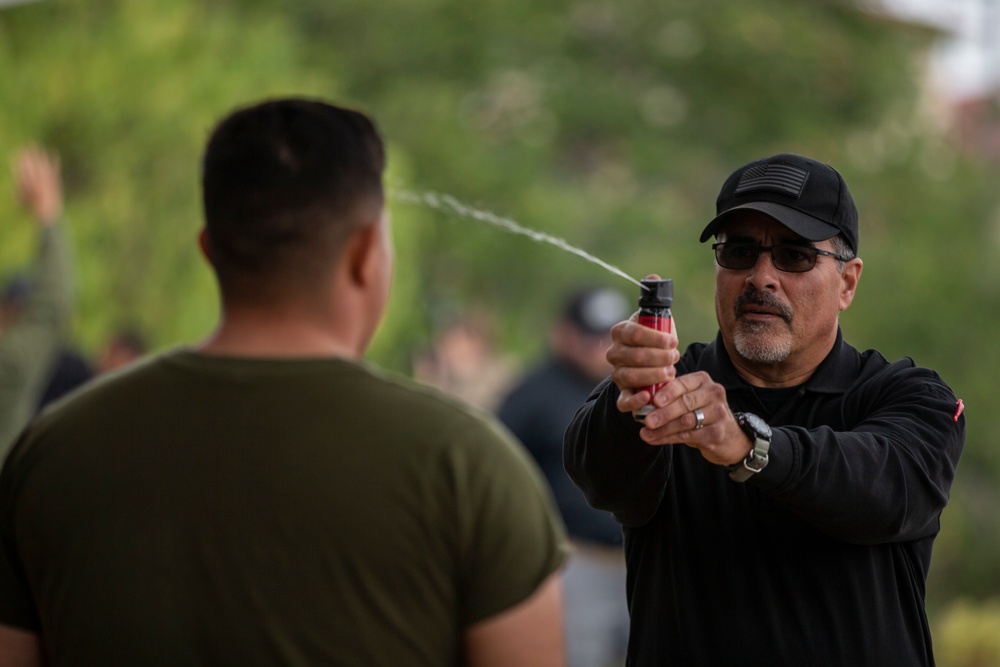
(783, 178)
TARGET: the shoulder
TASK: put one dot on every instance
(412, 397)
(482, 463)
(434, 419)
(65, 418)
(875, 368)
(102, 388)
(902, 389)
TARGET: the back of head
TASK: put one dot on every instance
(594, 310)
(284, 183)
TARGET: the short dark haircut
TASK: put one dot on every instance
(284, 183)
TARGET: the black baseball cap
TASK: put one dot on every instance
(594, 310)
(807, 196)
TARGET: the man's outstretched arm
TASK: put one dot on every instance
(19, 648)
(528, 635)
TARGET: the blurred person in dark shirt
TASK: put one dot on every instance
(537, 411)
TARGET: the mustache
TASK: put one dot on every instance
(765, 300)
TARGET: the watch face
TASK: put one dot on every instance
(758, 425)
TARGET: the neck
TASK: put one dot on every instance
(791, 372)
(770, 376)
(248, 332)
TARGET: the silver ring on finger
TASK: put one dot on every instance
(699, 418)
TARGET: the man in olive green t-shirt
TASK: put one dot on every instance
(267, 497)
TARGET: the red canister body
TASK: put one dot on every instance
(654, 312)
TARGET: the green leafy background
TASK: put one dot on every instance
(610, 125)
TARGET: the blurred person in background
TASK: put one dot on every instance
(537, 411)
(124, 347)
(35, 308)
(69, 370)
(268, 497)
(462, 361)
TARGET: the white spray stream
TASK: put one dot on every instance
(447, 203)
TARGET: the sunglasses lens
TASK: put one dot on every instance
(743, 256)
(796, 259)
(737, 256)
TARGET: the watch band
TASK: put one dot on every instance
(760, 436)
(755, 461)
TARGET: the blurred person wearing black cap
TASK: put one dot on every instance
(35, 307)
(795, 525)
(537, 411)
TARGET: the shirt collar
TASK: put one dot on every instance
(833, 375)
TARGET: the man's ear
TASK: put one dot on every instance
(360, 254)
(205, 246)
(849, 281)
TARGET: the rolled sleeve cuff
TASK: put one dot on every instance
(780, 461)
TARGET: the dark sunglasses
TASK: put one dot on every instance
(740, 256)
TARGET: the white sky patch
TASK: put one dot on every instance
(967, 62)
(11, 3)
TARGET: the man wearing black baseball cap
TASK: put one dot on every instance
(796, 525)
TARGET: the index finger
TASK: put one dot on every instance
(632, 334)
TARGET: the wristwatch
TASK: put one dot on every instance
(760, 435)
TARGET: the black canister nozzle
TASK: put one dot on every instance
(656, 293)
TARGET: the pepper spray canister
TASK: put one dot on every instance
(655, 300)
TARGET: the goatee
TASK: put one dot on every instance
(761, 342)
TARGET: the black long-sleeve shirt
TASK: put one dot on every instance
(820, 559)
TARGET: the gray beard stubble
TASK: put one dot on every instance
(754, 344)
(755, 341)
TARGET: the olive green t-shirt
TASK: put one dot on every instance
(211, 510)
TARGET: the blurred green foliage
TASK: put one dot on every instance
(610, 125)
(969, 634)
